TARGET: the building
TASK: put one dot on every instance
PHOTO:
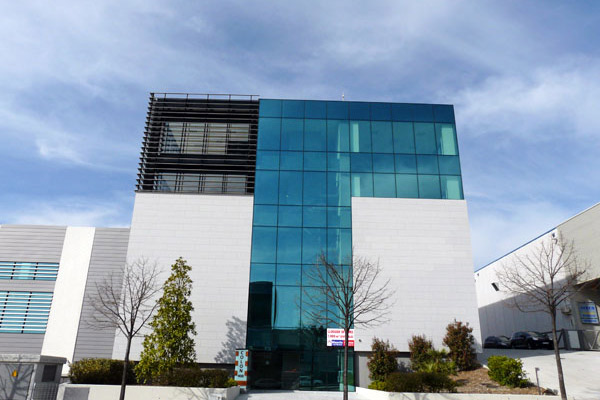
(251, 191)
(578, 318)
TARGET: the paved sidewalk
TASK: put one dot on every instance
(580, 368)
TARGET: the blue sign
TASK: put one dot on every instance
(588, 313)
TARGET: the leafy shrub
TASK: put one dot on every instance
(195, 377)
(507, 371)
(377, 385)
(382, 360)
(418, 346)
(100, 371)
(460, 341)
(230, 383)
(430, 382)
(437, 361)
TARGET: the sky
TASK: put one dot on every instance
(524, 77)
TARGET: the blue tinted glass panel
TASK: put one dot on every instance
(406, 186)
(290, 188)
(449, 165)
(427, 165)
(292, 131)
(266, 187)
(312, 299)
(361, 162)
(315, 134)
(262, 273)
(310, 275)
(401, 112)
(339, 217)
(289, 245)
(443, 113)
(269, 130)
(267, 160)
(406, 164)
(381, 112)
(292, 108)
(339, 246)
(359, 111)
(404, 138)
(429, 187)
(362, 184)
(315, 188)
(264, 241)
(337, 110)
(338, 162)
(289, 274)
(382, 137)
(383, 163)
(338, 135)
(338, 189)
(314, 217)
(360, 136)
(290, 216)
(291, 160)
(269, 108)
(446, 139)
(451, 187)
(425, 139)
(314, 243)
(265, 215)
(287, 312)
(315, 109)
(384, 185)
(315, 161)
(422, 112)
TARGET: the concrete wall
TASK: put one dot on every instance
(379, 395)
(103, 392)
(213, 233)
(424, 248)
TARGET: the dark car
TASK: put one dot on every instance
(496, 342)
(531, 340)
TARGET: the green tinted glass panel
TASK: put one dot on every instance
(338, 189)
(406, 186)
(449, 165)
(339, 245)
(384, 185)
(362, 184)
(337, 110)
(315, 161)
(264, 241)
(267, 160)
(290, 216)
(381, 112)
(270, 108)
(289, 274)
(427, 164)
(289, 245)
(406, 164)
(381, 132)
(315, 109)
(383, 163)
(314, 216)
(361, 162)
(269, 130)
(315, 135)
(425, 138)
(265, 215)
(360, 136)
(286, 310)
(314, 242)
(292, 131)
(290, 188)
(262, 273)
(451, 187)
(266, 187)
(429, 187)
(446, 139)
(338, 162)
(359, 110)
(315, 189)
(291, 160)
(404, 138)
(338, 136)
(292, 109)
(339, 217)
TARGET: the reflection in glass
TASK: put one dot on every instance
(404, 138)
(314, 216)
(289, 274)
(265, 215)
(289, 242)
(406, 186)
(269, 133)
(362, 185)
(382, 137)
(315, 135)
(338, 189)
(360, 136)
(338, 138)
(290, 216)
(446, 139)
(429, 186)
(287, 312)
(290, 188)
(451, 187)
(338, 162)
(264, 242)
(292, 134)
(315, 188)
(427, 164)
(425, 138)
(384, 185)
(266, 187)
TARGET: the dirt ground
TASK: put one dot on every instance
(478, 381)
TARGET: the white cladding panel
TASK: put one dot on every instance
(424, 248)
(69, 290)
(213, 234)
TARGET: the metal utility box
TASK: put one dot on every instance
(30, 376)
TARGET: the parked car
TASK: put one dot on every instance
(531, 340)
(496, 342)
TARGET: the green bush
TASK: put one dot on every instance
(418, 347)
(437, 361)
(377, 385)
(195, 377)
(100, 371)
(460, 341)
(507, 371)
(230, 383)
(420, 382)
(382, 360)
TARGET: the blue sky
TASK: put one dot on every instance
(524, 77)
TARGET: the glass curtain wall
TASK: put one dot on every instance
(312, 157)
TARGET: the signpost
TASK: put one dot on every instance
(335, 337)
(241, 368)
(588, 313)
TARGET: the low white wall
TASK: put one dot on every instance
(105, 392)
(379, 395)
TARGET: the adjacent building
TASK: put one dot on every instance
(251, 191)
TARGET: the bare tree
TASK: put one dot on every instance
(542, 281)
(348, 295)
(126, 302)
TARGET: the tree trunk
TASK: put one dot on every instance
(125, 366)
(561, 379)
(346, 334)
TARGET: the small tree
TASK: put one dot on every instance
(419, 346)
(126, 303)
(382, 360)
(348, 295)
(460, 341)
(542, 281)
(171, 343)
